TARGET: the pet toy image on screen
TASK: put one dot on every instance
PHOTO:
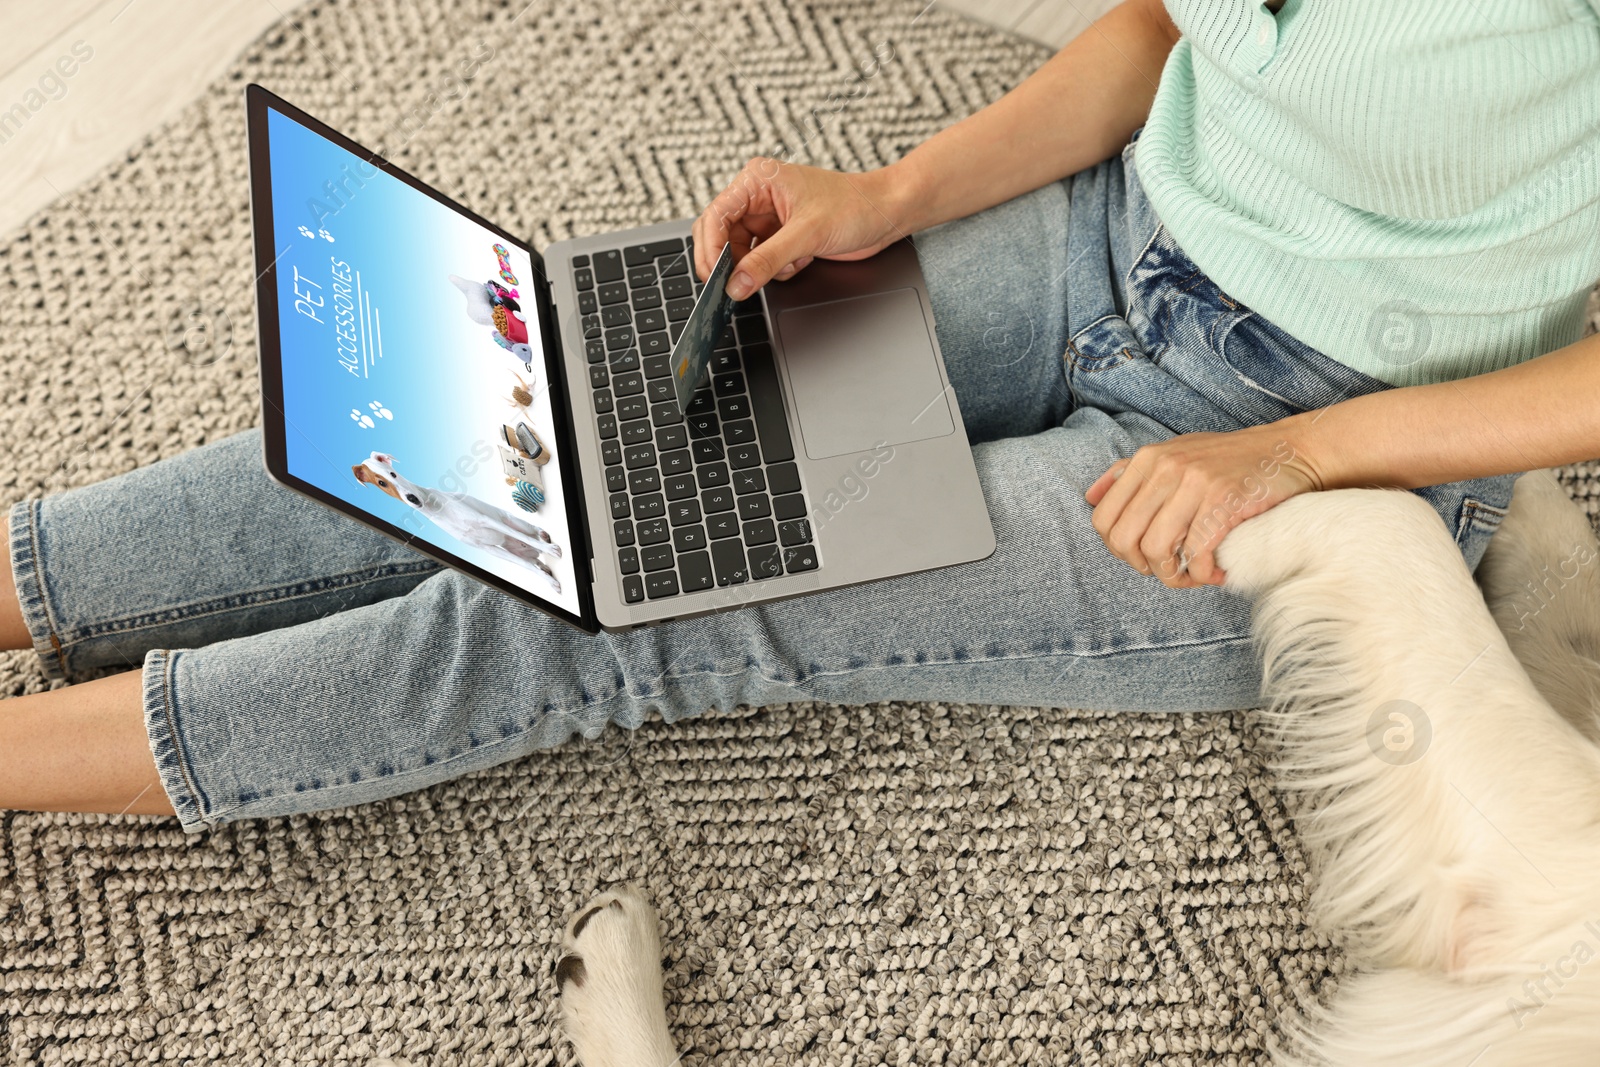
(712, 310)
(414, 381)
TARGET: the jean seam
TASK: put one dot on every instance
(267, 595)
(221, 815)
(1476, 513)
(27, 569)
(1089, 364)
(1221, 344)
(1094, 364)
(44, 600)
(1221, 327)
(1138, 260)
(1025, 654)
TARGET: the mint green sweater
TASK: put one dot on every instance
(1412, 187)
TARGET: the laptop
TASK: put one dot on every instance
(516, 415)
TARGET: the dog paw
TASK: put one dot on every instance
(610, 981)
(1334, 533)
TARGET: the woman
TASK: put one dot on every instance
(1350, 246)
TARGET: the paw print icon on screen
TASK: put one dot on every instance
(367, 421)
(306, 232)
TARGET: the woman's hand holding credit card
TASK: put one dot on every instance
(779, 216)
(691, 356)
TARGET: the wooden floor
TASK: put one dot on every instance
(82, 80)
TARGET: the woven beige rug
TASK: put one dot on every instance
(839, 886)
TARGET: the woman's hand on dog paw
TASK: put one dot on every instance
(1166, 508)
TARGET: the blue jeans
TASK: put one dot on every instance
(294, 660)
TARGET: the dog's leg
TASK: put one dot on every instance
(532, 545)
(530, 530)
(1400, 710)
(518, 551)
(1450, 813)
(610, 980)
(1541, 578)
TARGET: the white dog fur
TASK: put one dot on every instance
(1456, 847)
(466, 518)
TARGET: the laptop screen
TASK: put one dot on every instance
(415, 387)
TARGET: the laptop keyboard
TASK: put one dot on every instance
(699, 498)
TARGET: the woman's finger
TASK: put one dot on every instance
(1126, 538)
(1117, 487)
(759, 265)
(1102, 483)
(1164, 542)
(705, 235)
(697, 236)
(751, 231)
(723, 213)
(792, 269)
(1202, 541)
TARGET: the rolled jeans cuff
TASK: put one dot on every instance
(27, 573)
(161, 723)
(160, 711)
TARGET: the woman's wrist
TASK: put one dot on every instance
(897, 192)
(1329, 454)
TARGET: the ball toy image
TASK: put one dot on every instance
(526, 495)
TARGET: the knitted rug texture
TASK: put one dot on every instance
(837, 886)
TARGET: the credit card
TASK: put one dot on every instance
(713, 309)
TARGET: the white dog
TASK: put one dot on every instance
(1450, 803)
(466, 518)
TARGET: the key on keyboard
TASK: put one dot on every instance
(707, 498)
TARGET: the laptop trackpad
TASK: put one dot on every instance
(863, 373)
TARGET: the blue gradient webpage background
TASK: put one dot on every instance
(398, 367)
